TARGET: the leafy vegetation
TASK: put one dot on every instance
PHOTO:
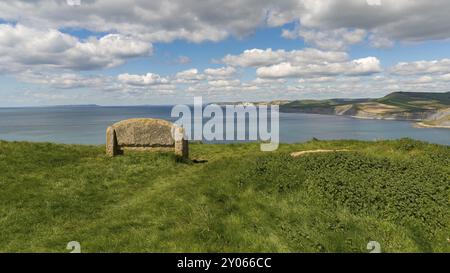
(235, 198)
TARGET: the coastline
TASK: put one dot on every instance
(417, 123)
(424, 125)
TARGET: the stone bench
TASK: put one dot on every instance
(145, 134)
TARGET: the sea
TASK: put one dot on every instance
(87, 125)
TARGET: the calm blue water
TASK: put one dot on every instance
(87, 125)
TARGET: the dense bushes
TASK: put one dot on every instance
(273, 173)
(414, 193)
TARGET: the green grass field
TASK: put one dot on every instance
(240, 200)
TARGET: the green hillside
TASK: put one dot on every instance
(233, 199)
(317, 104)
(443, 98)
(417, 101)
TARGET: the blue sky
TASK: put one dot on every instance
(132, 52)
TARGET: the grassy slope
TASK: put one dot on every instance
(326, 104)
(409, 100)
(394, 192)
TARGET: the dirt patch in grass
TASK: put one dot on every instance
(302, 153)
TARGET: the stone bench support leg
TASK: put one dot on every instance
(111, 142)
(181, 144)
(182, 149)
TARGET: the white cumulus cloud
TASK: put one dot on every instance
(142, 80)
(23, 47)
(422, 67)
(364, 66)
(259, 57)
(223, 72)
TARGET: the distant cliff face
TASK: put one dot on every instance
(366, 112)
(441, 119)
(394, 115)
(432, 108)
(346, 110)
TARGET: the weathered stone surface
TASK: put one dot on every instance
(111, 145)
(145, 134)
(181, 144)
